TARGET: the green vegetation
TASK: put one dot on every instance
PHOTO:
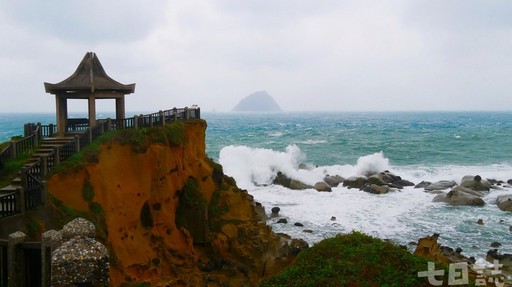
(353, 259)
(190, 198)
(87, 191)
(33, 228)
(11, 168)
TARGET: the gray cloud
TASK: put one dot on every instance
(309, 55)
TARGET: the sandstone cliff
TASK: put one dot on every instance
(168, 214)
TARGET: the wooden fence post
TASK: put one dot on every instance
(162, 117)
(186, 113)
(175, 113)
(135, 122)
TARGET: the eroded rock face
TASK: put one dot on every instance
(139, 218)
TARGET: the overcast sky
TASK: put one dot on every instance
(327, 55)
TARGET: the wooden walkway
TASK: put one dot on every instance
(27, 190)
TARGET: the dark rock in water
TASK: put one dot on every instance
(510, 228)
(298, 224)
(257, 102)
(441, 185)
(458, 250)
(377, 189)
(298, 185)
(282, 220)
(509, 181)
(504, 202)
(275, 211)
(333, 181)
(355, 182)
(480, 221)
(495, 244)
(307, 230)
(402, 183)
(423, 184)
(282, 179)
(333, 218)
(322, 186)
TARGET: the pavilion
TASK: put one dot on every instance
(90, 82)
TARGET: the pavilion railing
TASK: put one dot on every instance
(32, 192)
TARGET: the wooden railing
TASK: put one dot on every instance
(32, 193)
(18, 148)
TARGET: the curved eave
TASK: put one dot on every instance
(62, 89)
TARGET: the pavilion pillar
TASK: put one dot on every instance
(92, 111)
(120, 112)
(62, 114)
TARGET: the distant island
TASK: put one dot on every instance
(257, 102)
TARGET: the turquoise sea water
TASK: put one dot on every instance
(420, 146)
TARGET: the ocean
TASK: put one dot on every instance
(418, 146)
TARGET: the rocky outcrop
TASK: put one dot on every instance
(429, 248)
(461, 196)
(283, 180)
(440, 185)
(475, 183)
(504, 202)
(169, 216)
(322, 186)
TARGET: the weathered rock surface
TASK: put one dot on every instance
(441, 185)
(355, 182)
(333, 180)
(460, 196)
(322, 186)
(475, 183)
(141, 215)
(429, 248)
(504, 202)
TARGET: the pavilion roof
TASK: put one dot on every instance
(89, 77)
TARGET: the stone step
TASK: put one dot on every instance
(8, 189)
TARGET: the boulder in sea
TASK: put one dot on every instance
(460, 196)
(275, 211)
(377, 189)
(322, 186)
(355, 182)
(475, 183)
(283, 180)
(298, 185)
(509, 181)
(333, 180)
(504, 202)
(423, 184)
(441, 185)
(282, 220)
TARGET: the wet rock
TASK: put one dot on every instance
(298, 185)
(322, 186)
(475, 183)
(333, 181)
(282, 220)
(275, 211)
(377, 189)
(298, 224)
(355, 182)
(260, 210)
(480, 221)
(441, 185)
(495, 244)
(423, 184)
(460, 196)
(504, 202)
(333, 218)
(307, 230)
(509, 181)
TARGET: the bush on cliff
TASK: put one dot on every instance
(353, 259)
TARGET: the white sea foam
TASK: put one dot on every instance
(401, 215)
